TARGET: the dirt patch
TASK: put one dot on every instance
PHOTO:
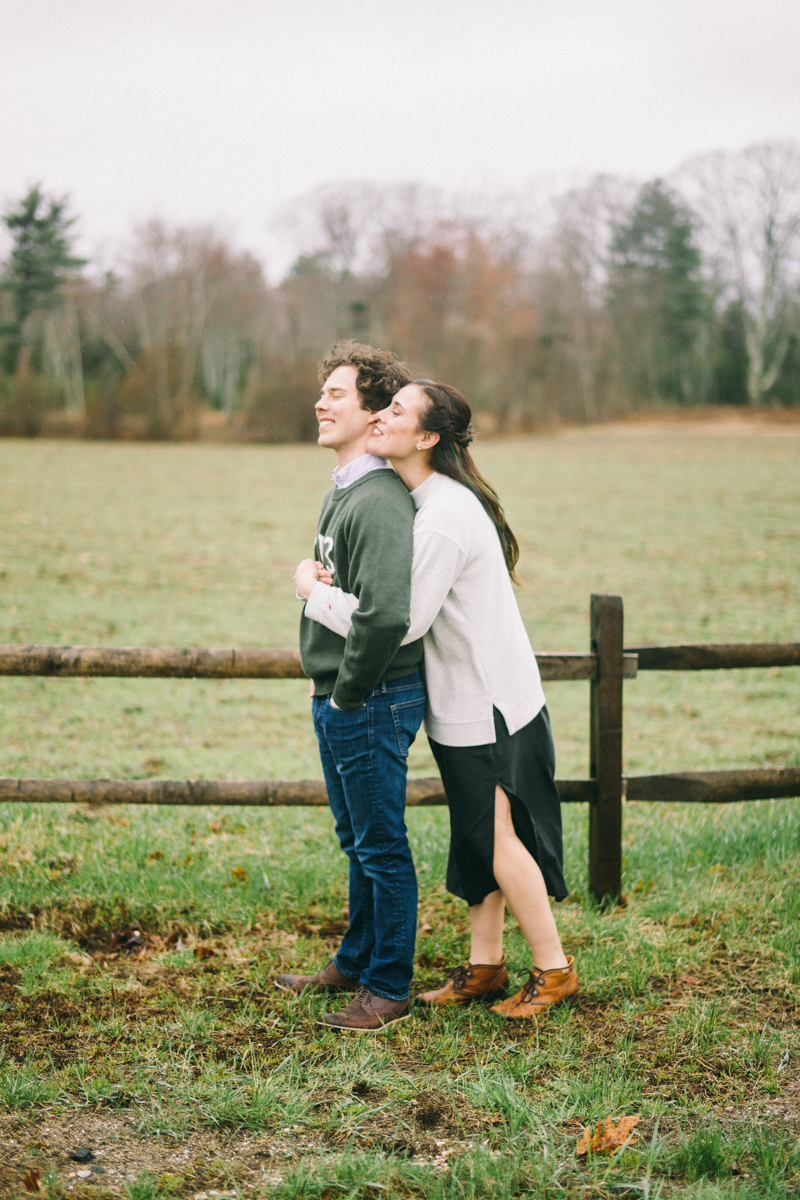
(422, 1127)
(204, 1160)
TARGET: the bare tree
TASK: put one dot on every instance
(194, 301)
(577, 253)
(749, 203)
(62, 356)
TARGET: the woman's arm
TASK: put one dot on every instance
(436, 564)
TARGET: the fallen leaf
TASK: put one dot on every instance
(425, 929)
(31, 1180)
(608, 1138)
(690, 979)
(239, 873)
(130, 939)
(204, 952)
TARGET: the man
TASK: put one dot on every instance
(369, 698)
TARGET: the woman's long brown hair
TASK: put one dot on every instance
(448, 414)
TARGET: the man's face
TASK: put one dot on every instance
(343, 423)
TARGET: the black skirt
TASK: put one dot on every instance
(523, 764)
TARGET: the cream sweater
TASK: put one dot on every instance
(477, 653)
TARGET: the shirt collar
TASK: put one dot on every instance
(350, 472)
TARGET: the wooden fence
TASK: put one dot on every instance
(606, 666)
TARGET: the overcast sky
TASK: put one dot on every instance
(224, 110)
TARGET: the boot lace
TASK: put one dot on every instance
(460, 976)
(363, 995)
(529, 989)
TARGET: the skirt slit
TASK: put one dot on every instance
(523, 765)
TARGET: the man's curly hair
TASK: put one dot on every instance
(379, 375)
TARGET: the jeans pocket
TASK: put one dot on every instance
(344, 712)
(407, 717)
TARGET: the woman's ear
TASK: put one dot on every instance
(428, 440)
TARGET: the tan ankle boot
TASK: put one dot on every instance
(473, 981)
(558, 986)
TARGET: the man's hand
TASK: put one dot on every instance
(306, 575)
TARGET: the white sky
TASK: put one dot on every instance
(224, 110)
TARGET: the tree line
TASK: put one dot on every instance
(609, 298)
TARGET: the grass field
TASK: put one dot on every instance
(170, 1056)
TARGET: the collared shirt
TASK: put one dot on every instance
(350, 472)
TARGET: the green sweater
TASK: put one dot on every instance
(365, 536)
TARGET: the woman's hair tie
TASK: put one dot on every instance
(464, 438)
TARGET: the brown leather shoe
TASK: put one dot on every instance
(367, 1013)
(558, 986)
(473, 981)
(329, 979)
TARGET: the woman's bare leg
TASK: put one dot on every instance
(486, 930)
(523, 887)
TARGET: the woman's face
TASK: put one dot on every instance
(396, 434)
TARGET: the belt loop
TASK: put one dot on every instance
(383, 685)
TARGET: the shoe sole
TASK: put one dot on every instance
(354, 1029)
(568, 1001)
(489, 998)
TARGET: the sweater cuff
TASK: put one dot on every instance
(317, 599)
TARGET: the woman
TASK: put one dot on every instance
(486, 719)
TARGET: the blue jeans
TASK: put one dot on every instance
(364, 756)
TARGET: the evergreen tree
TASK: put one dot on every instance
(657, 297)
(41, 259)
(730, 359)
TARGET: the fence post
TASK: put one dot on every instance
(605, 756)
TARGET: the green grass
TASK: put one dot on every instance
(182, 1068)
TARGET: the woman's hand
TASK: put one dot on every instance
(306, 575)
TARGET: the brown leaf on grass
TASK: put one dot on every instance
(240, 873)
(32, 1180)
(130, 939)
(690, 980)
(608, 1138)
(204, 952)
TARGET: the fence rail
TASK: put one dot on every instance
(705, 656)
(687, 787)
(135, 662)
(605, 667)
